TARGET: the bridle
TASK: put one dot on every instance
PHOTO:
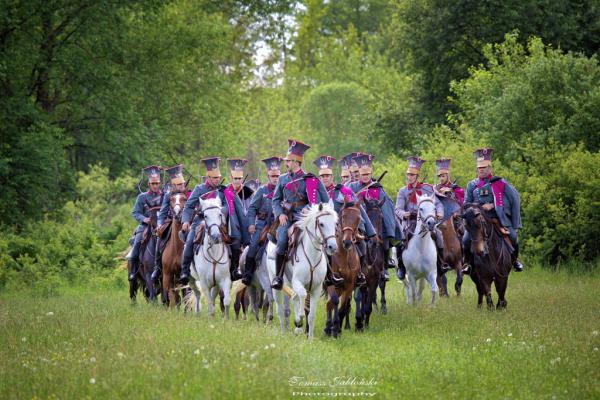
(424, 229)
(349, 228)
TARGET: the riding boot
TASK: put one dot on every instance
(401, 270)
(361, 280)
(467, 261)
(441, 264)
(235, 262)
(157, 263)
(517, 265)
(188, 257)
(277, 283)
(249, 270)
(330, 277)
(132, 267)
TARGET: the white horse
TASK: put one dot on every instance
(308, 266)
(261, 284)
(211, 261)
(420, 255)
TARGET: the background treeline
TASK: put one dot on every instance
(91, 91)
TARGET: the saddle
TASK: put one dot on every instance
(502, 231)
(163, 230)
(147, 234)
(201, 230)
(293, 242)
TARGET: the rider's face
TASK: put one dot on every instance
(366, 177)
(483, 172)
(214, 180)
(327, 179)
(273, 178)
(356, 175)
(443, 177)
(180, 187)
(411, 178)
(237, 183)
(154, 185)
(345, 179)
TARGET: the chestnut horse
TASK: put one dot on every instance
(492, 255)
(171, 257)
(346, 263)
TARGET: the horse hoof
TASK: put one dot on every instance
(298, 331)
(383, 311)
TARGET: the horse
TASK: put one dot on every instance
(452, 255)
(260, 291)
(492, 256)
(420, 255)
(146, 266)
(346, 263)
(306, 267)
(365, 296)
(171, 257)
(211, 259)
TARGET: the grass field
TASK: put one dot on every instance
(91, 343)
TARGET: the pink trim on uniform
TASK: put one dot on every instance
(460, 194)
(498, 190)
(229, 196)
(347, 192)
(312, 185)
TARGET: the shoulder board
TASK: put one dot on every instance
(309, 175)
(495, 178)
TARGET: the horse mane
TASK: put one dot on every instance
(313, 211)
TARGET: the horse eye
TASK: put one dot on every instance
(321, 224)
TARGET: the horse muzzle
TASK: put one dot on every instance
(331, 247)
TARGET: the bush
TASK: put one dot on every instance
(77, 243)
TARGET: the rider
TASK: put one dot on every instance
(372, 195)
(345, 163)
(340, 195)
(499, 198)
(407, 209)
(232, 206)
(236, 168)
(354, 173)
(177, 186)
(449, 193)
(295, 191)
(260, 214)
(144, 203)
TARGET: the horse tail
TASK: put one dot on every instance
(236, 287)
(190, 300)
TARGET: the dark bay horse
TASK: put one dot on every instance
(143, 279)
(492, 255)
(171, 256)
(376, 258)
(346, 263)
(452, 255)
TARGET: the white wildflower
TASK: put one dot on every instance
(93, 381)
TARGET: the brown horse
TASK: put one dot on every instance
(171, 257)
(492, 256)
(364, 297)
(452, 255)
(346, 263)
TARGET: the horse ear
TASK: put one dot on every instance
(201, 204)
(320, 206)
(418, 198)
(330, 203)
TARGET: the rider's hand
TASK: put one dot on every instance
(252, 229)
(488, 207)
(407, 215)
(146, 220)
(185, 227)
(283, 219)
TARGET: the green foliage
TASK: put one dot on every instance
(539, 94)
(77, 243)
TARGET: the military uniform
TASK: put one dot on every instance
(144, 204)
(176, 177)
(294, 192)
(260, 214)
(373, 197)
(340, 195)
(505, 198)
(236, 166)
(231, 206)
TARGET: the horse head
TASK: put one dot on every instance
(320, 223)
(350, 219)
(177, 201)
(475, 225)
(426, 212)
(213, 218)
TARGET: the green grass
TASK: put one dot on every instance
(544, 346)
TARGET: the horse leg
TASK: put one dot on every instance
(358, 295)
(348, 307)
(312, 311)
(287, 311)
(369, 305)
(501, 284)
(197, 293)
(329, 308)
(225, 284)
(407, 288)
(256, 302)
(383, 301)
(421, 287)
(237, 304)
(442, 283)
(459, 280)
(336, 315)
(279, 309)
(487, 290)
(431, 277)
(298, 305)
